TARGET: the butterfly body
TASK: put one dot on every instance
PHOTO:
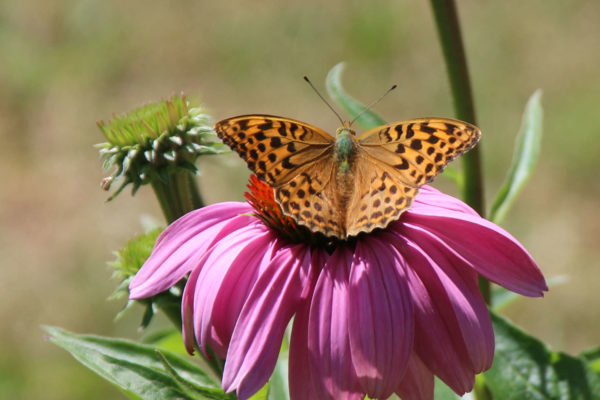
(345, 147)
(344, 185)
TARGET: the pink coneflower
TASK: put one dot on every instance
(379, 315)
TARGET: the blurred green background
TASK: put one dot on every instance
(65, 64)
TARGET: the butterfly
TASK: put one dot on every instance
(345, 184)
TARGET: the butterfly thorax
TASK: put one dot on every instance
(345, 148)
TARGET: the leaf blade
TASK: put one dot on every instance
(138, 370)
(526, 154)
(369, 119)
(524, 368)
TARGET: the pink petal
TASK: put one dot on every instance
(484, 246)
(332, 373)
(431, 197)
(417, 383)
(187, 311)
(381, 318)
(453, 335)
(257, 336)
(238, 284)
(241, 254)
(299, 370)
(179, 248)
(472, 313)
(487, 248)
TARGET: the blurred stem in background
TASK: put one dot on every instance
(448, 29)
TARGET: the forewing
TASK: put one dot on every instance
(394, 160)
(276, 149)
(419, 149)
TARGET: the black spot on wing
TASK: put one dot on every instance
(398, 129)
(260, 135)
(275, 142)
(386, 134)
(285, 163)
(265, 126)
(450, 129)
(402, 165)
(409, 131)
(282, 130)
(426, 128)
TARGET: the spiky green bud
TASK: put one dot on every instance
(155, 141)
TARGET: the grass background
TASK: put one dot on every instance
(65, 64)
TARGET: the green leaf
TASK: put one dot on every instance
(167, 339)
(369, 119)
(592, 356)
(443, 392)
(141, 371)
(502, 298)
(524, 368)
(262, 394)
(526, 155)
(279, 384)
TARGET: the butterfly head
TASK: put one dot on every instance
(345, 129)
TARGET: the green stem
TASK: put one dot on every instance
(178, 195)
(164, 199)
(448, 29)
(171, 307)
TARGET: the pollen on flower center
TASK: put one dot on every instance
(262, 200)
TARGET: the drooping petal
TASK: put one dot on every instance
(473, 316)
(187, 311)
(241, 254)
(237, 285)
(299, 358)
(381, 317)
(417, 383)
(179, 248)
(453, 334)
(332, 372)
(257, 336)
(486, 247)
(299, 361)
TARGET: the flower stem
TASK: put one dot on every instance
(448, 29)
(171, 307)
(177, 195)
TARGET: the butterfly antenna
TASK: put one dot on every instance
(322, 98)
(372, 104)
